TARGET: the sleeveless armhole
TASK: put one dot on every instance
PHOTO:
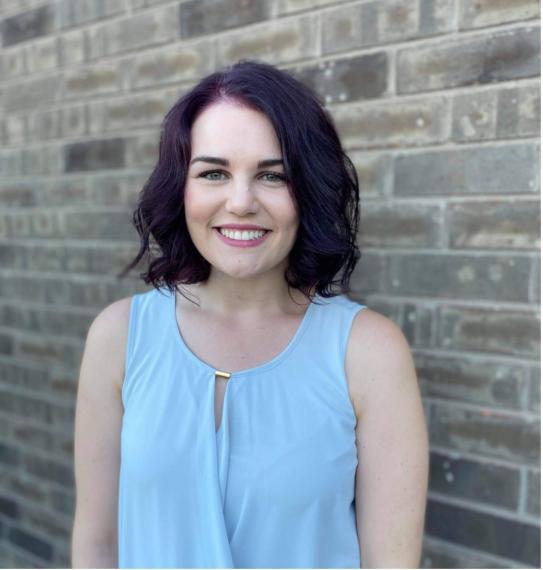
(344, 345)
(129, 345)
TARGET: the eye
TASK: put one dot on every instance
(275, 176)
(205, 174)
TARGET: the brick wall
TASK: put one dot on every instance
(437, 103)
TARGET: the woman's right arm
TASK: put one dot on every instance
(98, 420)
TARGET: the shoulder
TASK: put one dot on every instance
(378, 357)
(108, 333)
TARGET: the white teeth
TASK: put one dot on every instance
(244, 235)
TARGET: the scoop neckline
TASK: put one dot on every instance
(277, 359)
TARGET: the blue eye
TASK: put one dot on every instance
(276, 177)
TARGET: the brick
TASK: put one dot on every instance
(471, 480)
(441, 554)
(291, 6)
(95, 155)
(15, 129)
(534, 399)
(384, 225)
(34, 94)
(62, 502)
(277, 42)
(9, 455)
(479, 382)
(73, 121)
(519, 112)
(72, 47)
(25, 407)
(78, 12)
(483, 531)
(17, 194)
(199, 17)
(6, 344)
(122, 190)
(20, 374)
(11, 163)
(35, 224)
(142, 150)
(533, 494)
(141, 30)
(108, 225)
(184, 62)
(42, 160)
(48, 470)
(514, 170)
(129, 112)
(30, 542)
(374, 173)
(373, 23)
(504, 56)
(29, 25)
(369, 274)
(105, 78)
(485, 277)
(355, 78)
(475, 116)
(13, 62)
(497, 113)
(42, 55)
(46, 523)
(44, 125)
(383, 125)
(478, 13)
(498, 331)
(46, 351)
(435, 17)
(495, 225)
(487, 432)
(417, 324)
(61, 191)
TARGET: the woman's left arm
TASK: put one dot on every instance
(392, 444)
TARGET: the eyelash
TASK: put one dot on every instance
(280, 177)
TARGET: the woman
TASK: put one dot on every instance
(264, 420)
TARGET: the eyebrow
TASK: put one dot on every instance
(224, 162)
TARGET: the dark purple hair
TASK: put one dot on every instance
(319, 174)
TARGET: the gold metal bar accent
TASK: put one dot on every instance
(223, 374)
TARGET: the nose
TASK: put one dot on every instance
(241, 198)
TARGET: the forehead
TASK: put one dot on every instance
(230, 127)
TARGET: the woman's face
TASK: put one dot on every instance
(238, 191)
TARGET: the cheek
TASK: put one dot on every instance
(196, 209)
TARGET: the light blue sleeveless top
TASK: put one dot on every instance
(274, 486)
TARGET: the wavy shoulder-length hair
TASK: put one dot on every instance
(321, 177)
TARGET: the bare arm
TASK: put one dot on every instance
(98, 422)
(392, 443)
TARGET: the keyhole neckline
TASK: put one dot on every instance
(277, 359)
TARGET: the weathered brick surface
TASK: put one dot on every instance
(515, 170)
(199, 17)
(28, 25)
(498, 331)
(470, 480)
(484, 531)
(502, 57)
(437, 103)
(481, 381)
(477, 13)
(362, 77)
(384, 125)
(495, 225)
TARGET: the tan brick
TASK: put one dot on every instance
(400, 225)
(183, 62)
(388, 124)
(478, 13)
(495, 225)
(275, 42)
(99, 79)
